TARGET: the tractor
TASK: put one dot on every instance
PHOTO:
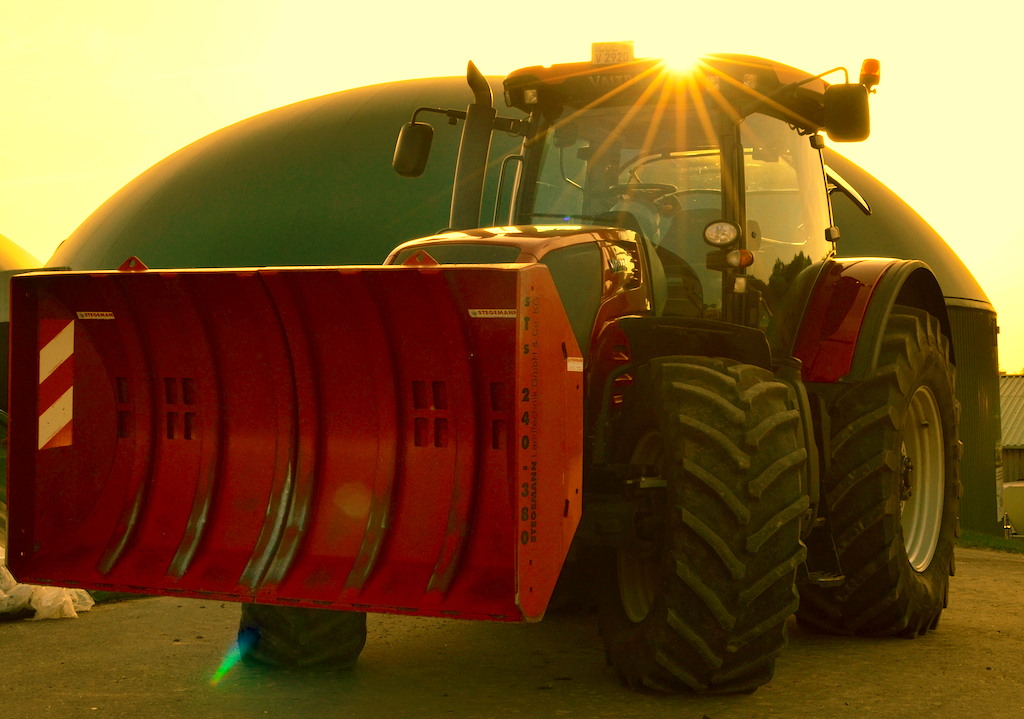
(651, 375)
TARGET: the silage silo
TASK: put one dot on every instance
(311, 183)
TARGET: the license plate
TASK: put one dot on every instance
(611, 53)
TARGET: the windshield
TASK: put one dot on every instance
(658, 171)
(608, 159)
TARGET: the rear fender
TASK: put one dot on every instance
(403, 440)
(909, 283)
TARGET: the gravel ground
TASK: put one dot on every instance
(154, 657)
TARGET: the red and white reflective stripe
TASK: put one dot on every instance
(56, 382)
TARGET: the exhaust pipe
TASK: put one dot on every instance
(471, 170)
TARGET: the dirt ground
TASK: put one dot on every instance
(153, 658)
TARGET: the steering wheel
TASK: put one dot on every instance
(652, 190)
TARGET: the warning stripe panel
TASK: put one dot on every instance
(56, 382)
(50, 328)
(56, 349)
(57, 417)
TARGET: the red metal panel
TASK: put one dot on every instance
(835, 313)
(548, 407)
(354, 438)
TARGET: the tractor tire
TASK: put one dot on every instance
(300, 637)
(701, 603)
(895, 551)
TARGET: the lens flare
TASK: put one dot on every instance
(679, 57)
(247, 638)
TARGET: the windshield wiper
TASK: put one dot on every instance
(561, 168)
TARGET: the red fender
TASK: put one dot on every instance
(835, 313)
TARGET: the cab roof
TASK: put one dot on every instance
(744, 82)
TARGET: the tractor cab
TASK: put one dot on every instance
(716, 168)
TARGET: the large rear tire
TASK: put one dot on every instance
(894, 488)
(299, 637)
(704, 606)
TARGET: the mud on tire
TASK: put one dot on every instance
(896, 553)
(721, 583)
(299, 637)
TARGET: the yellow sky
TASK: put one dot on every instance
(93, 93)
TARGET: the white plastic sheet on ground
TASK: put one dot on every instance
(48, 602)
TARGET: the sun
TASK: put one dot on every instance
(679, 56)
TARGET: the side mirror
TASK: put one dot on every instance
(847, 117)
(412, 149)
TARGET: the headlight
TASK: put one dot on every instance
(721, 233)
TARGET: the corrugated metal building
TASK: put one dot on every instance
(1011, 402)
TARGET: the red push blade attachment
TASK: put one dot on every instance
(382, 439)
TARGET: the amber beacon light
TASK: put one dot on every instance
(869, 73)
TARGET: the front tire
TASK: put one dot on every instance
(893, 492)
(704, 606)
(300, 637)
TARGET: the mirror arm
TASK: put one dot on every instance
(763, 101)
(453, 115)
(502, 124)
(798, 83)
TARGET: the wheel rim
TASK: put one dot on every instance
(638, 574)
(921, 513)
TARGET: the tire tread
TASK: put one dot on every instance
(733, 462)
(883, 595)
